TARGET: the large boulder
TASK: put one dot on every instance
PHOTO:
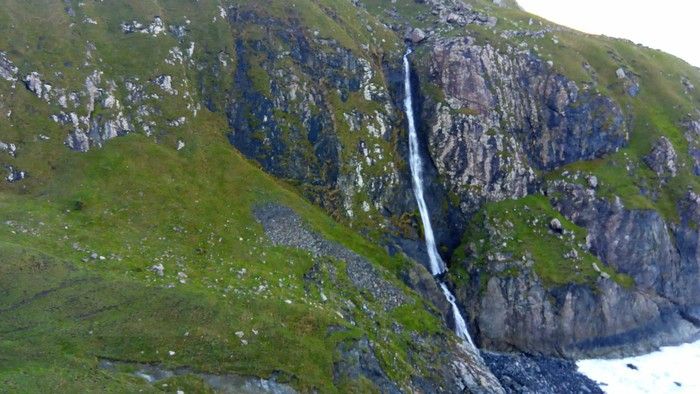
(415, 35)
(662, 159)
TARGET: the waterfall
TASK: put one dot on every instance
(460, 325)
(437, 266)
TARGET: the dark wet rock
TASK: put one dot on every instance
(684, 285)
(519, 373)
(662, 159)
(308, 154)
(419, 279)
(632, 366)
(291, 127)
(357, 360)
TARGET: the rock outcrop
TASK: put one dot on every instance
(154, 28)
(662, 159)
(323, 120)
(691, 131)
(638, 242)
(555, 121)
(8, 71)
(505, 114)
(513, 308)
(520, 313)
(415, 36)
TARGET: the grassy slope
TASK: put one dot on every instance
(139, 203)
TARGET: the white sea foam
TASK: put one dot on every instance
(673, 369)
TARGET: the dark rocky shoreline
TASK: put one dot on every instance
(521, 373)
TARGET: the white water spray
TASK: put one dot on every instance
(437, 266)
(460, 325)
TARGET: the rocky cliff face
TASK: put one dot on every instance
(318, 114)
(516, 309)
(501, 119)
(504, 115)
(561, 174)
(638, 242)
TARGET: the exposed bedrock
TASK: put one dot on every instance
(501, 115)
(604, 318)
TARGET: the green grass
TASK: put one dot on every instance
(520, 230)
(139, 202)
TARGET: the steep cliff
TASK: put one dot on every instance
(200, 191)
(576, 171)
(134, 247)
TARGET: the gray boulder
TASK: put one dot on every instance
(415, 35)
(662, 159)
(8, 71)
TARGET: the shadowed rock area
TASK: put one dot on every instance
(542, 375)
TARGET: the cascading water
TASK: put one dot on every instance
(437, 266)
